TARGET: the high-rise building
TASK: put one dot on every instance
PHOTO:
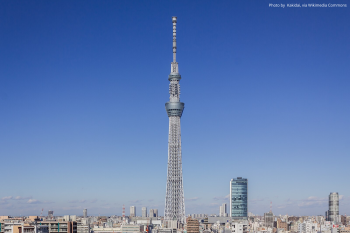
(85, 213)
(239, 198)
(333, 210)
(174, 199)
(268, 217)
(153, 213)
(144, 212)
(132, 211)
(222, 210)
(50, 214)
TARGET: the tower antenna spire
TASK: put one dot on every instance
(174, 38)
(174, 64)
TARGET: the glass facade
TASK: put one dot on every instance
(239, 197)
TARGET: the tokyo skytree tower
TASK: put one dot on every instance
(174, 199)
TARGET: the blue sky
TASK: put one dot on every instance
(83, 86)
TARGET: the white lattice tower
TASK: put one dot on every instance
(174, 200)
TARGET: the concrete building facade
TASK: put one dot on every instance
(144, 212)
(223, 210)
(60, 226)
(333, 210)
(268, 218)
(153, 213)
(132, 211)
(192, 225)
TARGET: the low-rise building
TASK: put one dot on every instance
(192, 225)
(121, 229)
(60, 226)
(239, 226)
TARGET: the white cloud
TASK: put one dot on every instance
(256, 200)
(22, 198)
(225, 198)
(313, 198)
(192, 199)
(136, 201)
(15, 198)
(313, 201)
(33, 201)
(84, 201)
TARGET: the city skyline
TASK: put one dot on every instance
(266, 95)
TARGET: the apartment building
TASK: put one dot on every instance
(192, 225)
(60, 226)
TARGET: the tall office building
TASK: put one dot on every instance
(144, 212)
(239, 198)
(50, 214)
(174, 199)
(333, 210)
(153, 213)
(268, 217)
(132, 211)
(85, 213)
(222, 210)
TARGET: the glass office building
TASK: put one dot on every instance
(239, 198)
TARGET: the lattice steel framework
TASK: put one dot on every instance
(174, 200)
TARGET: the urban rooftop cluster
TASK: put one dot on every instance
(238, 220)
(151, 222)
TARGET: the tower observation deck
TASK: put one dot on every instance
(174, 199)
